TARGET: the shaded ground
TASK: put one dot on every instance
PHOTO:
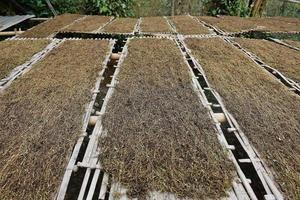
(155, 25)
(88, 24)
(51, 26)
(41, 117)
(293, 43)
(267, 112)
(17, 52)
(282, 58)
(159, 136)
(237, 24)
(121, 25)
(188, 26)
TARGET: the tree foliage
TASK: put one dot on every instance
(227, 7)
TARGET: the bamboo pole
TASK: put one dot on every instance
(10, 33)
(220, 117)
(172, 7)
(115, 56)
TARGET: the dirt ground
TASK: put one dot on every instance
(267, 112)
(41, 117)
(293, 43)
(17, 52)
(51, 26)
(238, 24)
(88, 24)
(188, 26)
(282, 58)
(121, 25)
(159, 136)
(155, 25)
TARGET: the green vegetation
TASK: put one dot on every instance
(139, 8)
(227, 7)
(103, 7)
(121, 8)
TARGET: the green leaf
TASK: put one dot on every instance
(104, 9)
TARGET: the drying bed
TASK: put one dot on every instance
(229, 23)
(293, 43)
(17, 52)
(41, 116)
(121, 25)
(51, 26)
(280, 57)
(278, 24)
(26, 66)
(232, 24)
(155, 25)
(188, 26)
(266, 111)
(88, 24)
(159, 136)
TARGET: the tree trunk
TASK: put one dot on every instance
(257, 8)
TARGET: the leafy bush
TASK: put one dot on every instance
(123, 8)
(227, 7)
